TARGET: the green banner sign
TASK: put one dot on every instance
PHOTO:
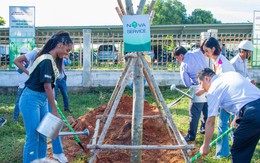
(21, 30)
(137, 37)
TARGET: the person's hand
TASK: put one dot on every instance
(200, 91)
(66, 56)
(204, 150)
(234, 123)
(56, 113)
(253, 82)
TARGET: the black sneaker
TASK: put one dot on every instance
(67, 110)
(187, 138)
(2, 121)
(202, 132)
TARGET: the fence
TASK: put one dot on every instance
(107, 51)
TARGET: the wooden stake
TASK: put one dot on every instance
(138, 111)
(119, 2)
(129, 7)
(141, 147)
(119, 13)
(113, 109)
(152, 16)
(151, 7)
(158, 105)
(168, 114)
(130, 116)
(95, 135)
(115, 92)
(140, 7)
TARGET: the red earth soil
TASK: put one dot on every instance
(119, 133)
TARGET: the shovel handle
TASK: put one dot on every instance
(85, 132)
(68, 124)
(213, 143)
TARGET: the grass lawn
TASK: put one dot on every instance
(12, 135)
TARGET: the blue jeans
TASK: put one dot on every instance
(62, 85)
(222, 146)
(16, 108)
(33, 105)
(56, 143)
(197, 109)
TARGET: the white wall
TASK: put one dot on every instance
(9, 78)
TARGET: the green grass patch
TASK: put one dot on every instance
(12, 135)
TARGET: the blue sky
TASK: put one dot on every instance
(102, 12)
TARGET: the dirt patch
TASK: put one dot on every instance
(119, 132)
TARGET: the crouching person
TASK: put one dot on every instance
(240, 98)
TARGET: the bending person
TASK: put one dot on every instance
(191, 64)
(240, 98)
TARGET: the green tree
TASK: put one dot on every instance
(168, 12)
(2, 21)
(174, 12)
(199, 16)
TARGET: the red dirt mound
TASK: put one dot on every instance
(119, 132)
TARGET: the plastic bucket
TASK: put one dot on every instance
(50, 126)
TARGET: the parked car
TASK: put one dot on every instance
(107, 53)
(161, 55)
(5, 59)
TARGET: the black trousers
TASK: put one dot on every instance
(247, 135)
(195, 112)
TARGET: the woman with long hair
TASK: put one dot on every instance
(39, 91)
(211, 48)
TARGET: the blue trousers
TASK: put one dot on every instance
(195, 111)
(222, 146)
(16, 107)
(33, 105)
(56, 143)
(247, 135)
(62, 85)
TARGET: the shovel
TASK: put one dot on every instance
(173, 87)
(213, 143)
(69, 126)
(179, 99)
(85, 132)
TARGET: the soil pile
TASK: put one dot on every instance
(119, 133)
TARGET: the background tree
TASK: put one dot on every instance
(199, 16)
(2, 21)
(168, 12)
(174, 12)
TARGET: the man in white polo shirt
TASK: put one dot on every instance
(239, 62)
(240, 98)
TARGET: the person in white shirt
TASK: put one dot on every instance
(240, 98)
(211, 48)
(22, 77)
(239, 62)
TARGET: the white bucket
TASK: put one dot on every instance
(50, 126)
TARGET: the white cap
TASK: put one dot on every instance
(246, 45)
(23, 50)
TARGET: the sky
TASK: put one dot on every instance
(102, 12)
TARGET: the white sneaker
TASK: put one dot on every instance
(60, 157)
